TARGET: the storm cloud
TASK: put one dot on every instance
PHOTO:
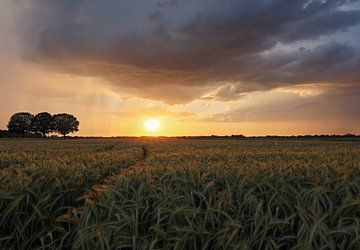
(343, 104)
(178, 51)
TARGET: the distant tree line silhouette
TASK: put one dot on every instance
(25, 124)
(269, 137)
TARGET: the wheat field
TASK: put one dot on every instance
(158, 193)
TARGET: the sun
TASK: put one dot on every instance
(152, 125)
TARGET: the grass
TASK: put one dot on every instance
(179, 194)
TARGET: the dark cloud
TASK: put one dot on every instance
(318, 25)
(188, 46)
(331, 63)
(335, 105)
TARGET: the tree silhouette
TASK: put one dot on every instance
(42, 123)
(20, 123)
(65, 124)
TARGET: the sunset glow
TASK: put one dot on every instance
(203, 67)
(152, 125)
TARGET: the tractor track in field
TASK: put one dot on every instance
(98, 189)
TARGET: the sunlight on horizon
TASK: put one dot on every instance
(152, 125)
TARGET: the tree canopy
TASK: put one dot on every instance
(20, 123)
(26, 124)
(65, 124)
(43, 123)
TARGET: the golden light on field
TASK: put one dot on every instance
(152, 125)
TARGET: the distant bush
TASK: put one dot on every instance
(5, 134)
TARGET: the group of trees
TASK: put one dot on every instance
(43, 123)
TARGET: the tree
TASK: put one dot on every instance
(43, 123)
(20, 123)
(65, 124)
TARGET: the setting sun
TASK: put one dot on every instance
(152, 125)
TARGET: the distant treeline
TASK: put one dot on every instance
(231, 137)
(237, 137)
(25, 124)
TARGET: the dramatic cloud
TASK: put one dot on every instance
(331, 63)
(299, 105)
(202, 66)
(191, 46)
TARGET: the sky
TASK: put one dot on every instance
(199, 67)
